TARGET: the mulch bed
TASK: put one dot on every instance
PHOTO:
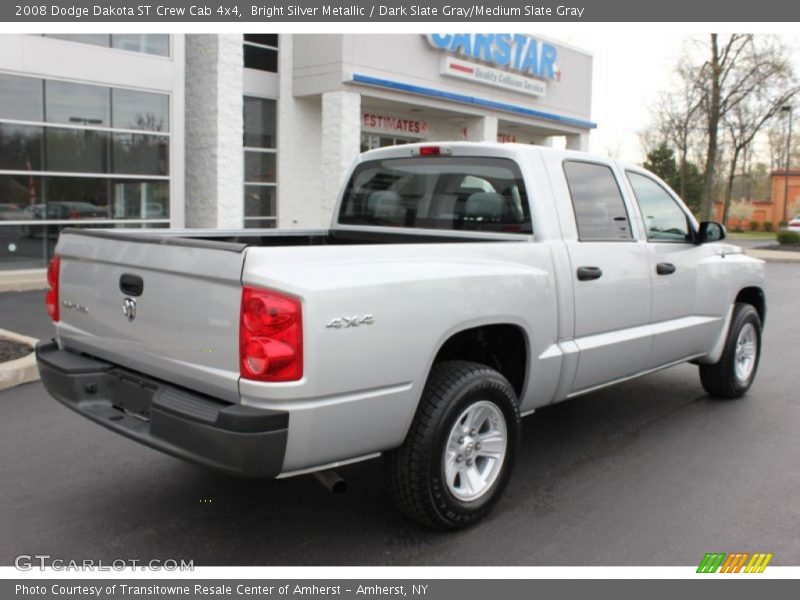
(781, 247)
(11, 350)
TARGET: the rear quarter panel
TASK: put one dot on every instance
(419, 295)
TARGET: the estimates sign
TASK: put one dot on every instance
(393, 124)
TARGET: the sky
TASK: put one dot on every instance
(630, 71)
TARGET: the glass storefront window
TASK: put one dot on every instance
(21, 98)
(259, 201)
(57, 198)
(263, 39)
(77, 103)
(136, 154)
(81, 151)
(260, 123)
(76, 150)
(371, 141)
(145, 43)
(140, 200)
(261, 51)
(148, 43)
(76, 163)
(132, 109)
(261, 59)
(20, 147)
(259, 167)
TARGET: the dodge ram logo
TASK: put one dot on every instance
(345, 322)
(129, 308)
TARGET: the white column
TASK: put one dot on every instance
(214, 123)
(177, 139)
(482, 129)
(542, 140)
(578, 141)
(341, 142)
(299, 141)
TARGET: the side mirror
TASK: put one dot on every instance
(710, 231)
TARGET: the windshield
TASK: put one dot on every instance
(455, 193)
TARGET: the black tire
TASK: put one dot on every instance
(720, 379)
(416, 471)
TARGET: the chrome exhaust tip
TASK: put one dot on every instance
(331, 481)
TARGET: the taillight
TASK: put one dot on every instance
(51, 299)
(270, 336)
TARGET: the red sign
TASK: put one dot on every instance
(393, 124)
(506, 138)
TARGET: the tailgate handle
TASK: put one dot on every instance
(131, 285)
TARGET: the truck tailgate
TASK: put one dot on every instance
(186, 323)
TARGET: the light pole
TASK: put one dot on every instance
(787, 108)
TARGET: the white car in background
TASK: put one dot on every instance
(794, 224)
(10, 212)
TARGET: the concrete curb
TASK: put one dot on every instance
(22, 370)
(21, 281)
(773, 255)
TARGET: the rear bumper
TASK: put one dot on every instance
(237, 440)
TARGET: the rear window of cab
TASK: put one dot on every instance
(441, 192)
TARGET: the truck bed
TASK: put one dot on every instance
(238, 240)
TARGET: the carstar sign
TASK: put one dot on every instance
(514, 52)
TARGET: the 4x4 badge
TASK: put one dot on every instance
(344, 322)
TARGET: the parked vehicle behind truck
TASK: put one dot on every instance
(459, 286)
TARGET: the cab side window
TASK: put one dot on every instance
(596, 198)
(664, 220)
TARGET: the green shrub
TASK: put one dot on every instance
(754, 225)
(783, 223)
(788, 237)
(767, 225)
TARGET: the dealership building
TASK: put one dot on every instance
(255, 130)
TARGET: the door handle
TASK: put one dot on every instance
(665, 268)
(589, 273)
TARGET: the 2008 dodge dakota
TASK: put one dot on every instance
(460, 286)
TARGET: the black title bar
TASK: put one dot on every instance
(419, 11)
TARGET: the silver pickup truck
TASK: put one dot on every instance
(460, 286)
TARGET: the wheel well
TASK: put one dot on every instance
(501, 347)
(755, 297)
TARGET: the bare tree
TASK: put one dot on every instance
(680, 110)
(745, 120)
(736, 90)
(725, 81)
(776, 139)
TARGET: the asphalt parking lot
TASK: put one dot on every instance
(651, 472)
